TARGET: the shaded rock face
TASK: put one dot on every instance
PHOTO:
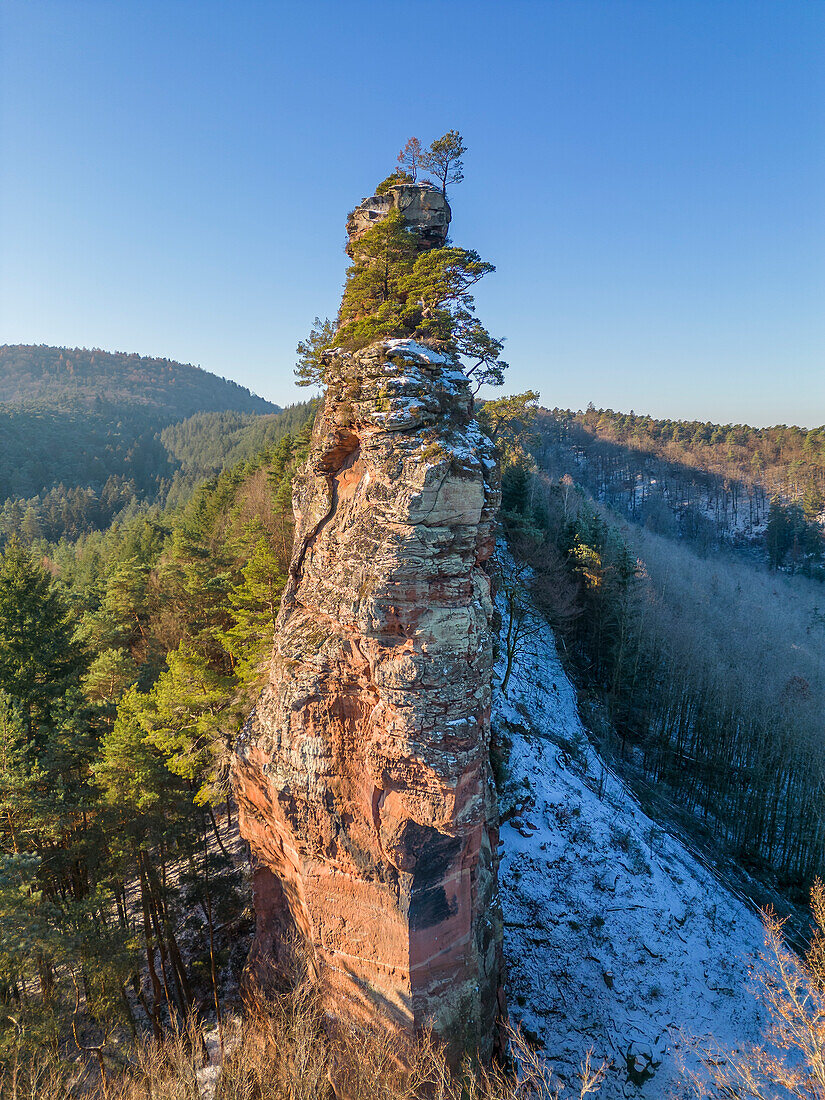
(363, 776)
(422, 206)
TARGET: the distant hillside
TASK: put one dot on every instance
(85, 434)
(207, 443)
(67, 379)
(757, 489)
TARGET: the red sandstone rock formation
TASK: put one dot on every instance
(363, 776)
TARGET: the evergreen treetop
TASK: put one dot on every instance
(397, 287)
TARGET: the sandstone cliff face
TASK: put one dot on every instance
(422, 206)
(363, 776)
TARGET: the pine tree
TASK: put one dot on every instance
(444, 159)
(778, 533)
(395, 290)
(39, 657)
(410, 158)
(255, 603)
(184, 718)
(110, 673)
(373, 304)
(129, 770)
(510, 419)
(22, 782)
(309, 369)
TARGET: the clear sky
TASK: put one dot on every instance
(648, 177)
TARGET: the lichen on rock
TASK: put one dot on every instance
(363, 776)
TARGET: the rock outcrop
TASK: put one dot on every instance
(363, 776)
(422, 206)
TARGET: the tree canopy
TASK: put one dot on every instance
(397, 287)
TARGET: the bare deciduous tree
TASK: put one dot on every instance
(410, 158)
(790, 1060)
(520, 621)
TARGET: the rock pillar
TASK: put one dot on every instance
(363, 776)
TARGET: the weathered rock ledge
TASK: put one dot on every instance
(363, 776)
(422, 206)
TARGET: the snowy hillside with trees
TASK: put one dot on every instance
(616, 937)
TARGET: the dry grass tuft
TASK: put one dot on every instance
(285, 1050)
(282, 1052)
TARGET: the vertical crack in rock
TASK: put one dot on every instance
(363, 776)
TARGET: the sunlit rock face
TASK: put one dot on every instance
(363, 776)
(422, 206)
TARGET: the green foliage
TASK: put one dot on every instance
(64, 379)
(395, 290)
(22, 778)
(114, 751)
(28, 937)
(81, 428)
(789, 535)
(39, 658)
(110, 673)
(209, 442)
(704, 677)
(254, 602)
(444, 159)
(309, 370)
(392, 180)
(373, 305)
(440, 281)
(717, 486)
(89, 436)
(481, 351)
(130, 772)
(510, 420)
(183, 718)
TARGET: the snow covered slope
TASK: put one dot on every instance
(614, 933)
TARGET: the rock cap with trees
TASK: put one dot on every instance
(406, 279)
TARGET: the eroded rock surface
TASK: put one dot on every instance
(422, 206)
(363, 776)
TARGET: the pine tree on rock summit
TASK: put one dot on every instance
(444, 159)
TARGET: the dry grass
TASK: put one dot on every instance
(284, 1052)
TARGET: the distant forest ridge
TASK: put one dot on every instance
(86, 436)
(681, 430)
(67, 379)
(728, 484)
(785, 460)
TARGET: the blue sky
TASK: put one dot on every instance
(648, 178)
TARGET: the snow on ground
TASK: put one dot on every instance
(614, 933)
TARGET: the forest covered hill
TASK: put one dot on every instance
(761, 490)
(170, 618)
(85, 434)
(64, 379)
